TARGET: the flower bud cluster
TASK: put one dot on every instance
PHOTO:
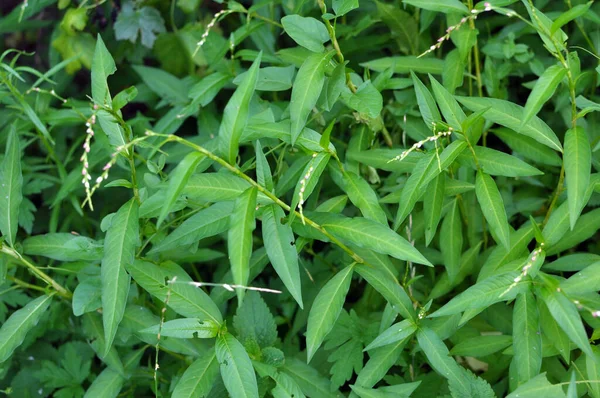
(85, 171)
(303, 183)
(210, 26)
(474, 13)
(419, 144)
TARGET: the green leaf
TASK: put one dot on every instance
(492, 206)
(177, 181)
(538, 387)
(184, 299)
(367, 100)
(481, 346)
(254, 321)
(406, 64)
(555, 334)
(309, 178)
(271, 78)
(370, 235)
(108, 384)
(389, 288)
(543, 25)
(470, 386)
(11, 182)
(343, 7)
(498, 163)
(578, 161)
(239, 238)
(527, 338)
(312, 383)
(361, 195)
(333, 87)
(306, 31)
(482, 294)
(427, 106)
(568, 16)
(543, 90)
(211, 221)
(145, 22)
(184, 328)
(263, 171)
(450, 108)
(278, 239)
(445, 6)
(394, 333)
(164, 84)
(528, 147)
(402, 25)
(235, 114)
(306, 90)
(592, 366)
(215, 187)
(236, 368)
(203, 92)
(326, 309)
(380, 362)
(451, 240)
(585, 228)
(121, 240)
(507, 114)
(438, 355)
(103, 66)
(585, 281)
(414, 187)
(566, 315)
(17, 326)
(432, 206)
(198, 379)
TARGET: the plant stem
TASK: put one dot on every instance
(37, 272)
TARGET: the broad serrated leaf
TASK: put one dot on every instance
(279, 242)
(119, 251)
(254, 321)
(239, 238)
(198, 379)
(11, 182)
(306, 90)
(15, 328)
(236, 112)
(236, 368)
(492, 206)
(543, 90)
(326, 309)
(527, 338)
(577, 162)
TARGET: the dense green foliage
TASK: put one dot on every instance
(299, 198)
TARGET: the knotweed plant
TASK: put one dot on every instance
(342, 198)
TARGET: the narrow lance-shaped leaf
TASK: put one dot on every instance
(427, 106)
(309, 179)
(451, 241)
(527, 339)
(432, 206)
(566, 17)
(198, 378)
(103, 66)
(325, 310)
(542, 91)
(239, 238)
(235, 115)
(16, 327)
(11, 183)
(236, 368)
(306, 90)
(446, 6)
(279, 243)
(119, 251)
(361, 195)
(578, 161)
(492, 206)
(438, 355)
(177, 181)
(263, 171)
(450, 108)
